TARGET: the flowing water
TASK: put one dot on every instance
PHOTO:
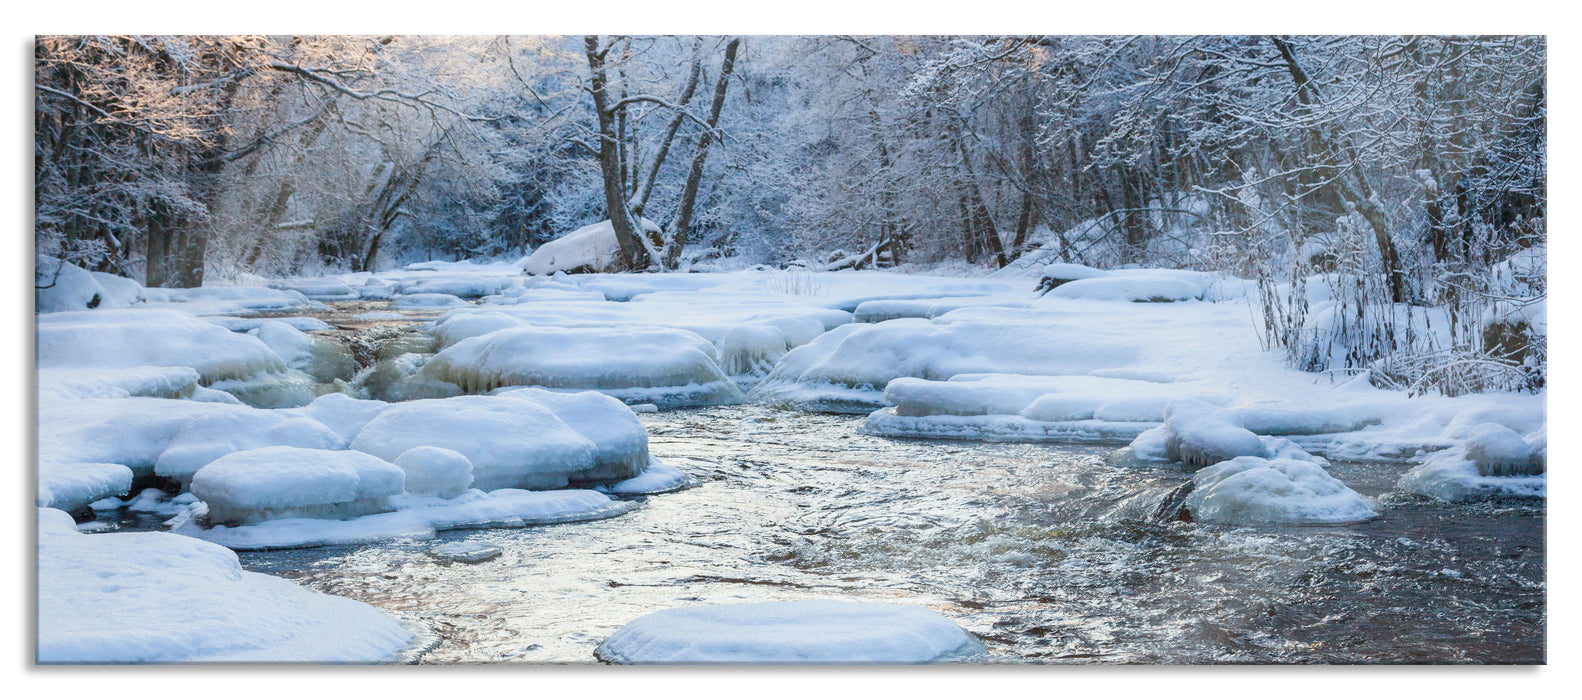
(1047, 553)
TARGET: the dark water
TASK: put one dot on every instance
(1045, 552)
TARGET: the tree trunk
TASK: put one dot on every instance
(640, 200)
(689, 194)
(634, 256)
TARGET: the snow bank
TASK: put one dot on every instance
(662, 366)
(1137, 287)
(292, 482)
(1257, 491)
(511, 442)
(469, 287)
(132, 431)
(129, 338)
(230, 300)
(427, 301)
(804, 632)
(62, 286)
(100, 383)
(155, 597)
(417, 517)
(435, 471)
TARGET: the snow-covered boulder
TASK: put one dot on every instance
(208, 437)
(342, 414)
(620, 442)
(1130, 287)
(1500, 451)
(61, 286)
(435, 471)
(292, 482)
(1493, 462)
(470, 287)
(800, 632)
(592, 248)
(1199, 435)
(662, 366)
(1056, 274)
(426, 301)
(156, 597)
(657, 478)
(511, 442)
(1257, 491)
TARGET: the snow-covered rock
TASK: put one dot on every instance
(592, 248)
(208, 437)
(800, 632)
(1457, 474)
(1500, 451)
(1199, 435)
(267, 483)
(435, 471)
(155, 597)
(427, 301)
(511, 442)
(620, 442)
(1130, 287)
(662, 366)
(1257, 491)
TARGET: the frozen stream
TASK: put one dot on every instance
(1046, 552)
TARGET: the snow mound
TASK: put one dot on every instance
(662, 366)
(318, 288)
(1257, 491)
(462, 287)
(240, 299)
(435, 471)
(156, 597)
(342, 414)
(291, 482)
(73, 485)
(511, 442)
(801, 632)
(208, 437)
(131, 431)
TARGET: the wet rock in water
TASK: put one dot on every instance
(1174, 507)
(802, 632)
(464, 552)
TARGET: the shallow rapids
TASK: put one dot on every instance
(1047, 553)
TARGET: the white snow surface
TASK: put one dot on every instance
(435, 471)
(798, 632)
(127, 338)
(156, 597)
(1257, 491)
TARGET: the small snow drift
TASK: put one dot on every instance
(291, 482)
(511, 442)
(662, 366)
(801, 632)
(592, 248)
(1257, 491)
(156, 597)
